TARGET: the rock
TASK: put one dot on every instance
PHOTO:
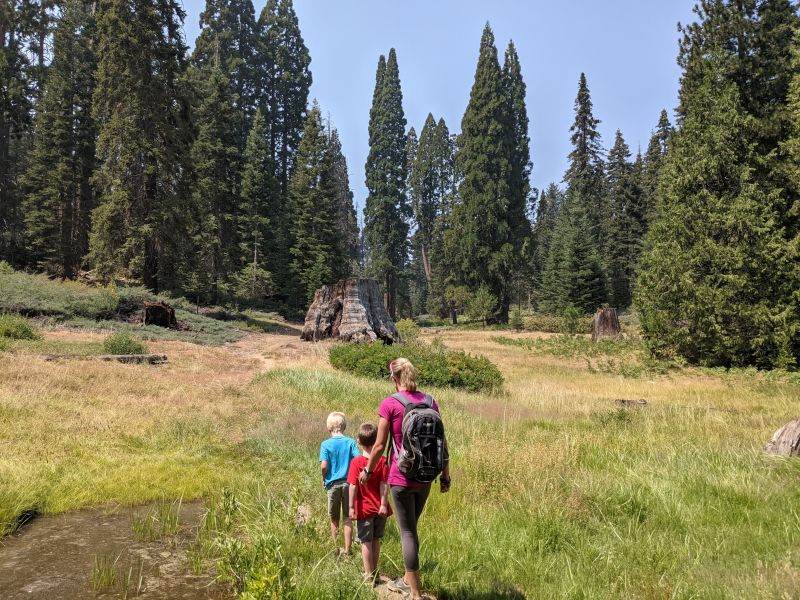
(159, 313)
(351, 310)
(605, 324)
(786, 441)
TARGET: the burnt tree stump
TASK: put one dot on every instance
(159, 313)
(351, 310)
(786, 441)
(605, 324)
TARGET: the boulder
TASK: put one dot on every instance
(351, 310)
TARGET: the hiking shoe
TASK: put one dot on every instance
(399, 585)
(344, 555)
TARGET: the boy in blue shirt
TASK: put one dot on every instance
(335, 455)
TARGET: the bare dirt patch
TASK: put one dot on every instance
(52, 557)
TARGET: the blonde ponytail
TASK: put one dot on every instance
(404, 373)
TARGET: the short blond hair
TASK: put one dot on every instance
(336, 422)
(404, 373)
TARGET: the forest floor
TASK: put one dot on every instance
(557, 491)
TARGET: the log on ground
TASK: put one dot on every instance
(152, 359)
(786, 441)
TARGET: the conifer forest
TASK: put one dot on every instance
(213, 174)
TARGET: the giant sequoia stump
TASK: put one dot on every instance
(350, 310)
(786, 441)
(605, 324)
(159, 313)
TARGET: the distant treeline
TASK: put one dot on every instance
(209, 175)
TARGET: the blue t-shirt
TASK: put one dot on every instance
(338, 450)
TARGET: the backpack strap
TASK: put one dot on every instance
(428, 401)
(401, 398)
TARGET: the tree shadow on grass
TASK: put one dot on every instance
(470, 594)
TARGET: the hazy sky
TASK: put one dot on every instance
(627, 48)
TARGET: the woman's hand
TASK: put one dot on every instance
(363, 477)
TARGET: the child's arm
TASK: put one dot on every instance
(352, 500)
(324, 468)
(384, 509)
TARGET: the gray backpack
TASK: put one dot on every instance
(422, 455)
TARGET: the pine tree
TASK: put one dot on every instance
(215, 186)
(626, 224)
(255, 230)
(584, 176)
(139, 227)
(16, 93)
(59, 197)
(346, 262)
(716, 275)
(485, 245)
(386, 208)
(520, 161)
(547, 211)
(653, 161)
(283, 79)
(313, 201)
(227, 41)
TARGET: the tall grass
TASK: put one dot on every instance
(556, 493)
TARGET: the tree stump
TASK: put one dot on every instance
(351, 310)
(159, 313)
(786, 441)
(605, 324)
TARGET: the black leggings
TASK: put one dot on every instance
(409, 503)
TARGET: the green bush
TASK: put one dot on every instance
(554, 323)
(122, 342)
(516, 321)
(17, 328)
(5, 268)
(437, 367)
(409, 331)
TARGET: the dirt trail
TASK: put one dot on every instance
(52, 557)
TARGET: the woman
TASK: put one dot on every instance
(408, 497)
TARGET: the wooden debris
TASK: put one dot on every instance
(631, 403)
(786, 441)
(152, 359)
(159, 313)
(605, 324)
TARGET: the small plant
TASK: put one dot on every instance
(15, 327)
(122, 342)
(160, 521)
(128, 582)
(104, 573)
(409, 331)
(5, 268)
(482, 306)
(571, 320)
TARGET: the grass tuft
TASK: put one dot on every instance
(104, 572)
(14, 327)
(122, 342)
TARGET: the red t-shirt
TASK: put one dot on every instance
(368, 497)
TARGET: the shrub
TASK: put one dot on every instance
(5, 268)
(437, 366)
(516, 320)
(482, 306)
(17, 328)
(554, 323)
(571, 317)
(122, 342)
(409, 331)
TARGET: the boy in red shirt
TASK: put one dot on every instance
(369, 503)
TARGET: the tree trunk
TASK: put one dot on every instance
(159, 313)
(350, 310)
(605, 324)
(786, 441)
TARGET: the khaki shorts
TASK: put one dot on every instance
(339, 500)
(370, 529)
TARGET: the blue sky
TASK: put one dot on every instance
(627, 48)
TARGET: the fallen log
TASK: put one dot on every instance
(152, 359)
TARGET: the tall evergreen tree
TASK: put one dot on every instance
(313, 202)
(520, 161)
(584, 176)
(227, 41)
(59, 196)
(283, 80)
(653, 161)
(547, 211)
(626, 224)
(16, 93)
(215, 187)
(346, 221)
(716, 275)
(255, 230)
(139, 226)
(386, 208)
(485, 248)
